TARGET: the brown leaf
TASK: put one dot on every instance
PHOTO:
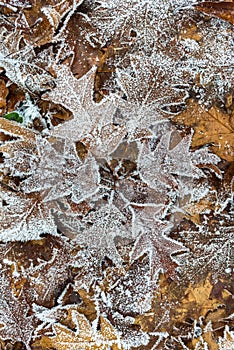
(84, 56)
(197, 301)
(211, 127)
(3, 95)
(222, 9)
(83, 338)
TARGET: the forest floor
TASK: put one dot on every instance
(116, 174)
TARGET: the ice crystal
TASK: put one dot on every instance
(109, 201)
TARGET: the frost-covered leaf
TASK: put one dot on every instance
(212, 248)
(161, 165)
(102, 143)
(24, 217)
(62, 174)
(77, 96)
(46, 280)
(131, 334)
(132, 293)
(143, 25)
(100, 229)
(15, 321)
(22, 69)
(84, 337)
(227, 341)
(152, 239)
(147, 93)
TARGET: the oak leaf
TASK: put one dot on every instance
(211, 127)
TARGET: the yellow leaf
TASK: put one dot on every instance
(197, 302)
(210, 127)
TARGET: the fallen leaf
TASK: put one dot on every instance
(197, 301)
(222, 9)
(3, 95)
(227, 341)
(85, 337)
(211, 127)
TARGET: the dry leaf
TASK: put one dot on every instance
(222, 9)
(211, 127)
(3, 94)
(84, 338)
(197, 301)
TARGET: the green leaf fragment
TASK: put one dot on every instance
(14, 116)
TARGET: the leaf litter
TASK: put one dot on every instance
(116, 171)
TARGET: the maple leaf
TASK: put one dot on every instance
(77, 96)
(211, 127)
(151, 239)
(160, 166)
(24, 217)
(65, 174)
(100, 228)
(15, 322)
(85, 337)
(149, 97)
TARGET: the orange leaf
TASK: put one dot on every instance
(223, 9)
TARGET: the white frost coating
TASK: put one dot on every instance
(76, 95)
(23, 219)
(133, 176)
